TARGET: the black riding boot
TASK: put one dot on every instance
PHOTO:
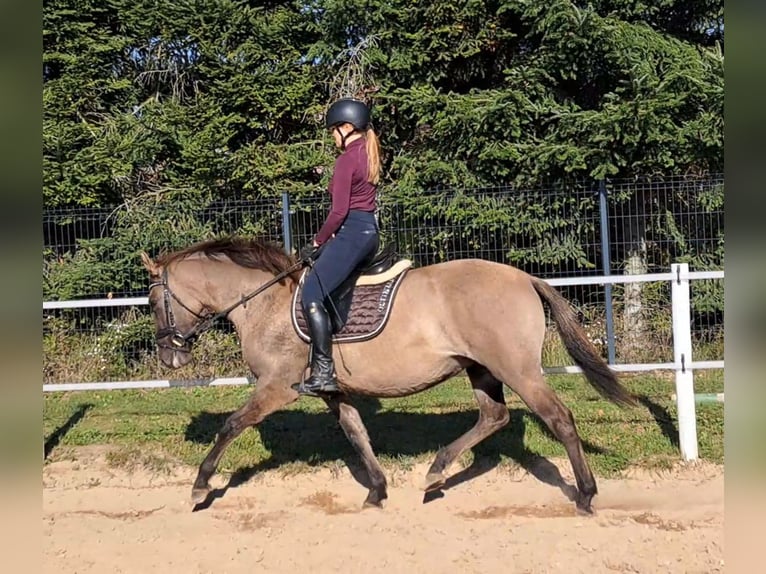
(322, 378)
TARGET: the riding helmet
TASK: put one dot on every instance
(348, 110)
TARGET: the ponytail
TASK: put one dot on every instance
(373, 156)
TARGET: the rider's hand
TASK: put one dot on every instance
(307, 253)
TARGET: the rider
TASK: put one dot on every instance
(349, 235)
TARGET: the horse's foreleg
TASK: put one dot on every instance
(493, 415)
(352, 425)
(265, 400)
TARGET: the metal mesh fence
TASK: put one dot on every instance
(653, 224)
(549, 232)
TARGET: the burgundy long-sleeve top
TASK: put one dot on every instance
(349, 188)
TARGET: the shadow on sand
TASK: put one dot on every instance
(316, 438)
(60, 432)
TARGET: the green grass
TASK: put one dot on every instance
(153, 426)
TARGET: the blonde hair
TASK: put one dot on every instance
(373, 156)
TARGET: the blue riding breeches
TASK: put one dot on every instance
(357, 240)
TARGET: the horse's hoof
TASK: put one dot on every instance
(434, 481)
(374, 500)
(584, 507)
(199, 495)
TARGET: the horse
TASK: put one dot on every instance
(471, 315)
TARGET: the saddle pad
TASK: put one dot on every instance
(370, 308)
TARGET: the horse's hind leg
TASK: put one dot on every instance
(351, 423)
(544, 402)
(266, 399)
(493, 415)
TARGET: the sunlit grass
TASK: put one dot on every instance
(182, 424)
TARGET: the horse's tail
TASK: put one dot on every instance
(596, 370)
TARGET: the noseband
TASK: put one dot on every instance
(179, 340)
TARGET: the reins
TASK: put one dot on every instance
(179, 339)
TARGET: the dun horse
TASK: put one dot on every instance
(400, 330)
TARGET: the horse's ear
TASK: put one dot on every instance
(150, 265)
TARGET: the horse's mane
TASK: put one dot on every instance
(253, 253)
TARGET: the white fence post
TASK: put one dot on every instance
(682, 348)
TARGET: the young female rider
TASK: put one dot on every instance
(348, 237)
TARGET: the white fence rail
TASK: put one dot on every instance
(683, 363)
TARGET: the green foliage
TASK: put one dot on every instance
(122, 348)
(225, 97)
(681, 222)
(163, 108)
(499, 92)
(200, 95)
(538, 228)
(107, 265)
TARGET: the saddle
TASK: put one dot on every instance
(360, 306)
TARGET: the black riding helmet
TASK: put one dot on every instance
(348, 110)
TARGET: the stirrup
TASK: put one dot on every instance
(315, 391)
(312, 387)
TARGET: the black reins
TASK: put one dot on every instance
(179, 339)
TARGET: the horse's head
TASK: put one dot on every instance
(176, 315)
(183, 308)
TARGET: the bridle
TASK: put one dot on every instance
(179, 340)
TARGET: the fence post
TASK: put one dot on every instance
(606, 265)
(286, 228)
(682, 350)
